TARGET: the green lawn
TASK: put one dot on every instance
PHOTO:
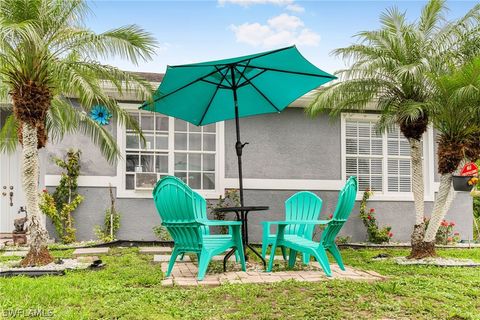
(129, 288)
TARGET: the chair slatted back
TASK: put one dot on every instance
(177, 206)
(346, 201)
(302, 205)
(200, 210)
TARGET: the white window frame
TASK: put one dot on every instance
(122, 192)
(428, 165)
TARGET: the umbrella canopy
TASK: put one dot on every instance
(202, 93)
(208, 92)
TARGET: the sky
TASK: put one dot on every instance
(195, 31)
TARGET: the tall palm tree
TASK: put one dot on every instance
(388, 70)
(47, 57)
(455, 110)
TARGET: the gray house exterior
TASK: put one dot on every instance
(288, 152)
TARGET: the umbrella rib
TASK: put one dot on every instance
(294, 72)
(234, 63)
(188, 84)
(245, 82)
(213, 97)
(216, 84)
(260, 92)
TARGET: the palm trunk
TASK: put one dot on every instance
(38, 253)
(426, 248)
(418, 195)
(444, 199)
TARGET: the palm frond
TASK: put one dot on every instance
(65, 118)
(8, 135)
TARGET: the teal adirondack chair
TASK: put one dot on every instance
(181, 211)
(302, 205)
(346, 201)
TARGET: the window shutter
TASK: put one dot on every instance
(398, 162)
(366, 157)
(364, 150)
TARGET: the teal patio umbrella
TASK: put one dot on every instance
(208, 92)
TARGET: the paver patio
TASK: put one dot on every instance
(185, 275)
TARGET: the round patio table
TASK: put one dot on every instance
(242, 215)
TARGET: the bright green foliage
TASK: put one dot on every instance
(374, 233)
(183, 213)
(60, 205)
(346, 201)
(302, 205)
(389, 67)
(111, 224)
(476, 212)
(129, 288)
(46, 42)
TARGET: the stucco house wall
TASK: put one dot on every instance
(283, 147)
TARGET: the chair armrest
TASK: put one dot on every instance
(220, 223)
(306, 222)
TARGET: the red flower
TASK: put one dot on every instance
(372, 210)
(330, 216)
(452, 224)
(456, 234)
(449, 239)
(390, 234)
(444, 223)
(369, 217)
(44, 190)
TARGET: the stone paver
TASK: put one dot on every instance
(185, 275)
(155, 250)
(166, 258)
(22, 253)
(89, 251)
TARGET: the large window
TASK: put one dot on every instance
(380, 161)
(171, 147)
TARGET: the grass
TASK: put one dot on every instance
(129, 288)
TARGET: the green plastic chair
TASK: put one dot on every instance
(180, 209)
(302, 205)
(346, 201)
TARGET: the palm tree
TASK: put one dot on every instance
(47, 57)
(389, 70)
(455, 112)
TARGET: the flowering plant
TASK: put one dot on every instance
(375, 234)
(473, 181)
(445, 234)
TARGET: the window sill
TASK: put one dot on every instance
(147, 194)
(395, 197)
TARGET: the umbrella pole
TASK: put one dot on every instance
(238, 147)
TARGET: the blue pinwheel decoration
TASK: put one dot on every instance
(101, 115)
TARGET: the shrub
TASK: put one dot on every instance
(111, 222)
(231, 199)
(445, 234)
(162, 233)
(60, 205)
(374, 233)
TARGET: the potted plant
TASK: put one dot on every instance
(464, 183)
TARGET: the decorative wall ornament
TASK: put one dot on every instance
(101, 115)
